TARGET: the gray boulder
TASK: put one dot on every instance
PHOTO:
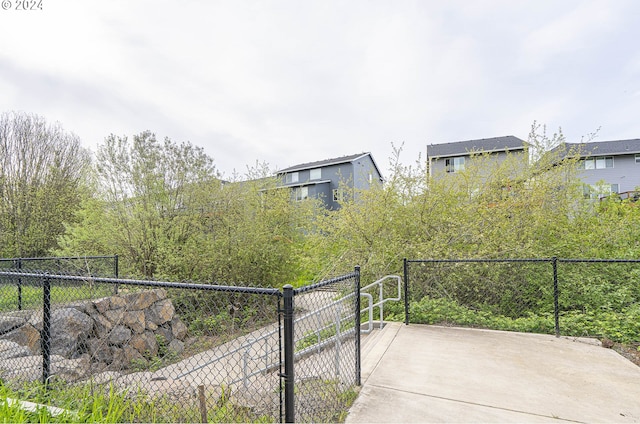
(70, 329)
(27, 336)
(119, 335)
(160, 312)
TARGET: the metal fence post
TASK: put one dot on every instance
(406, 291)
(45, 336)
(19, 286)
(115, 271)
(357, 328)
(556, 307)
(289, 395)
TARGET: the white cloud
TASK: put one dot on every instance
(572, 31)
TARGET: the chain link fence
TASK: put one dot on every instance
(573, 297)
(181, 352)
(326, 348)
(98, 266)
(18, 293)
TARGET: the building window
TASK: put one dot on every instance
(300, 193)
(338, 195)
(292, 177)
(315, 174)
(598, 191)
(638, 158)
(454, 164)
(598, 162)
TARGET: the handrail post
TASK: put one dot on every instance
(406, 292)
(357, 325)
(289, 396)
(381, 301)
(556, 307)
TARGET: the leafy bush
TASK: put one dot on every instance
(622, 326)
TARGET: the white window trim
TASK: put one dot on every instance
(292, 177)
(455, 164)
(315, 174)
(301, 193)
(596, 162)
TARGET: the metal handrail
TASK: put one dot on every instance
(248, 345)
(382, 301)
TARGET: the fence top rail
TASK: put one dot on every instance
(595, 260)
(478, 260)
(148, 283)
(600, 260)
(63, 258)
(324, 283)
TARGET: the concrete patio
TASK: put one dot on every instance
(421, 373)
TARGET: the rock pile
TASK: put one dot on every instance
(111, 333)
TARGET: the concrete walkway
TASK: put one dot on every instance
(421, 373)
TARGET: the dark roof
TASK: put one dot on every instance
(326, 162)
(601, 148)
(484, 145)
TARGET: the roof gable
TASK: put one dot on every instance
(484, 145)
(328, 162)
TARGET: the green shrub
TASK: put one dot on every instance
(620, 326)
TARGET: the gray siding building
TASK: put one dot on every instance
(450, 158)
(608, 166)
(327, 179)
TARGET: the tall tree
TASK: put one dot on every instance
(42, 169)
(152, 192)
(163, 208)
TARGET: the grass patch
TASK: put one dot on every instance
(322, 401)
(32, 295)
(87, 403)
(79, 404)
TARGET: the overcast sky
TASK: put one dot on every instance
(287, 82)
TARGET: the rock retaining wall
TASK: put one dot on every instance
(111, 333)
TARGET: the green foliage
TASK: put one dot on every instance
(331, 400)
(86, 403)
(164, 209)
(42, 178)
(622, 325)
(81, 404)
